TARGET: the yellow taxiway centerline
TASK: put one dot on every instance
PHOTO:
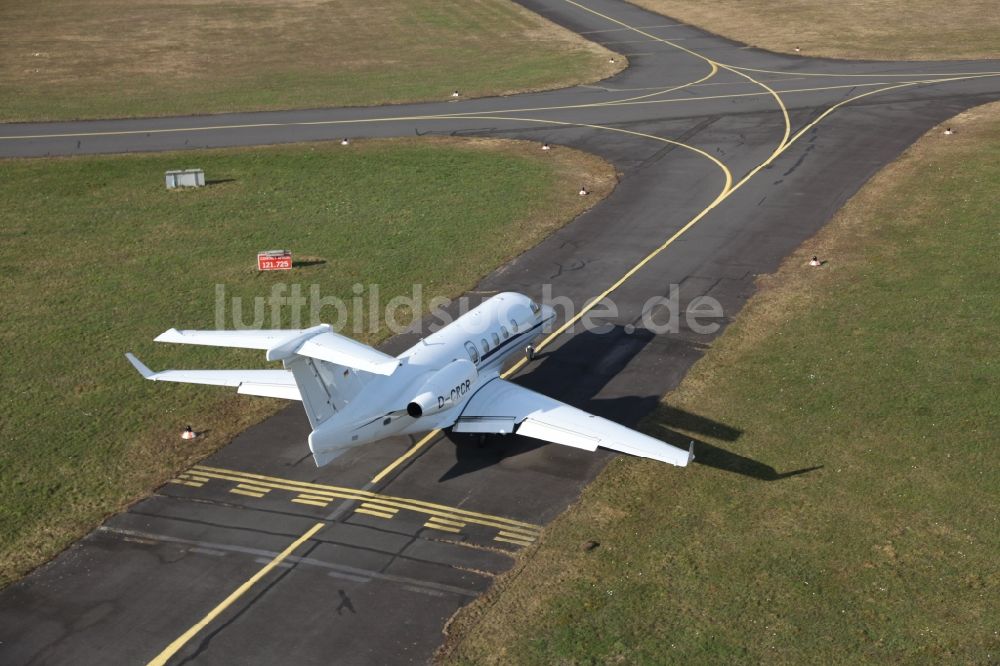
(474, 114)
(183, 639)
(820, 74)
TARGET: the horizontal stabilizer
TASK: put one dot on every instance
(341, 350)
(251, 339)
(269, 383)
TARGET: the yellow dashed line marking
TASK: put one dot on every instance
(256, 489)
(377, 514)
(379, 507)
(193, 477)
(444, 521)
(182, 482)
(318, 498)
(248, 493)
(298, 500)
(515, 536)
(519, 542)
(443, 528)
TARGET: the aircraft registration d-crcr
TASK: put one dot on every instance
(354, 394)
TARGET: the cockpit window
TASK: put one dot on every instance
(473, 354)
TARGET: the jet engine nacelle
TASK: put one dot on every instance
(446, 388)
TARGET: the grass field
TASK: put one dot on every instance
(864, 29)
(882, 369)
(97, 258)
(66, 59)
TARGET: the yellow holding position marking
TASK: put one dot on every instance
(321, 495)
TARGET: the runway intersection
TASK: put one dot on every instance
(730, 159)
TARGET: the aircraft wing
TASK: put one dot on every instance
(268, 383)
(503, 407)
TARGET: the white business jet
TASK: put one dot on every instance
(354, 394)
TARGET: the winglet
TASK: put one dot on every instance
(140, 366)
(170, 335)
(690, 454)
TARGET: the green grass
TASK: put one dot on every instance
(883, 368)
(97, 258)
(862, 29)
(67, 59)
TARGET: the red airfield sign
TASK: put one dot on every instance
(274, 260)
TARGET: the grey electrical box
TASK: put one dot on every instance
(185, 178)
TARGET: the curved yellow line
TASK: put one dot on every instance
(722, 167)
(714, 69)
(771, 91)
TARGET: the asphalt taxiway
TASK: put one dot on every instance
(730, 158)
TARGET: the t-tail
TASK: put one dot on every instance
(323, 369)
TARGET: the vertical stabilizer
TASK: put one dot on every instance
(326, 388)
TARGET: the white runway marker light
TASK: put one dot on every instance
(188, 433)
(345, 142)
(948, 131)
(815, 261)
(456, 94)
(584, 191)
(546, 146)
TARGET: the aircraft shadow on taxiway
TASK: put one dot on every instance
(475, 452)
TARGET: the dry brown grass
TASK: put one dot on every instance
(106, 58)
(861, 29)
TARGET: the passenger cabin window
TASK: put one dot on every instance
(485, 345)
(513, 325)
(473, 354)
(535, 307)
(496, 340)
(503, 331)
